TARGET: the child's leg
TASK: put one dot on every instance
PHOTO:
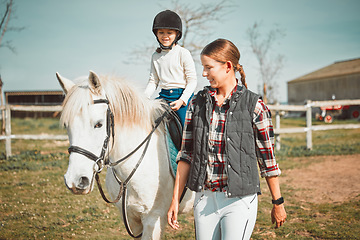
(171, 95)
(182, 111)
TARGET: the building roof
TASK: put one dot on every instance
(336, 69)
(22, 93)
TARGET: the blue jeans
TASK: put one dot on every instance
(171, 95)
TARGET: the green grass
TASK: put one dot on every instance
(301, 122)
(307, 220)
(36, 126)
(330, 142)
(34, 202)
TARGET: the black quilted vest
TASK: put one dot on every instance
(241, 166)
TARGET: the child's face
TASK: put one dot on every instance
(166, 36)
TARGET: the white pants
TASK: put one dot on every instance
(219, 217)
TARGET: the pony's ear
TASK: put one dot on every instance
(94, 82)
(65, 84)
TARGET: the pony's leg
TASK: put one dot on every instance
(134, 219)
(187, 202)
(152, 228)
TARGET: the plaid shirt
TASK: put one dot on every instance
(216, 177)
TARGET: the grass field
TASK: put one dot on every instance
(35, 204)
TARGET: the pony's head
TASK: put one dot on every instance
(86, 122)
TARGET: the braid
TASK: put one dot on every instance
(240, 69)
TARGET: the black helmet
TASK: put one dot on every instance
(168, 20)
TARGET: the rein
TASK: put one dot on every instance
(103, 161)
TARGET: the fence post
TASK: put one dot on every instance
(308, 125)
(8, 131)
(277, 127)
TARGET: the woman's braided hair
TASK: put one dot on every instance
(223, 50)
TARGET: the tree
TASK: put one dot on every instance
(269, 65)
(197, 22)
(4, 24)
(2, 112)
(4, 27)
(196, 27)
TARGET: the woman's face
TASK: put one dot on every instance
(214, 71)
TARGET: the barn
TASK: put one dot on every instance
(340, 80)
(38, 98)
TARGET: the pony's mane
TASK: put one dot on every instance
(129, 106)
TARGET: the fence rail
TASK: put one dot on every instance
(275, 108)
(8, 136)
(309, 127)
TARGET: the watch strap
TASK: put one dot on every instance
(278, 201)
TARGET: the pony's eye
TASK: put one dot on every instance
(98, 125)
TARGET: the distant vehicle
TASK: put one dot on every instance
(328, 113)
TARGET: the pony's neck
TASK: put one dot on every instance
(127, 139)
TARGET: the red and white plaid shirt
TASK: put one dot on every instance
(216, 179)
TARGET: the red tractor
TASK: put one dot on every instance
(341, 112)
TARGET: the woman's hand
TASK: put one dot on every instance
(182, 173)
(176, 105)
(172, 214)
(278, 215)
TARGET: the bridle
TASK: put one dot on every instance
(99, 160)
(103, 160)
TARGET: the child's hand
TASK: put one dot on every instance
(176, 105)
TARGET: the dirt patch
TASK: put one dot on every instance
(328, 179)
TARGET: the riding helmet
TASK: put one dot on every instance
(168, 20)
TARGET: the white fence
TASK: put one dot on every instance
(309, 127)
(275, 108)
(8, 136)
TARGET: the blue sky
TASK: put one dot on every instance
(73, 37)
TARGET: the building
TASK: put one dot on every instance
(42, 98)
(339, 81)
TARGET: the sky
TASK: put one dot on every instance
(74, 36)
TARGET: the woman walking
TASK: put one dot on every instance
(228, 132)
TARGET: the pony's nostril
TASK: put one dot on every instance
(83, 183)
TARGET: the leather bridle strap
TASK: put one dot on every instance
(157, 123)
(84, 152)
(100, 161)
(123, 185)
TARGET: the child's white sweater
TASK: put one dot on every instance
(173, 68)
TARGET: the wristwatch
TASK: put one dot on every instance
(278, 201)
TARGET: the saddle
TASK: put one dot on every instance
(174, 137)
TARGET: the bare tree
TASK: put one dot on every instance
(269, 65)
(5, 17)
(4, 24)
(2, 112)
(197, 21)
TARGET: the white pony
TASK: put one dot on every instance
(150, 187)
